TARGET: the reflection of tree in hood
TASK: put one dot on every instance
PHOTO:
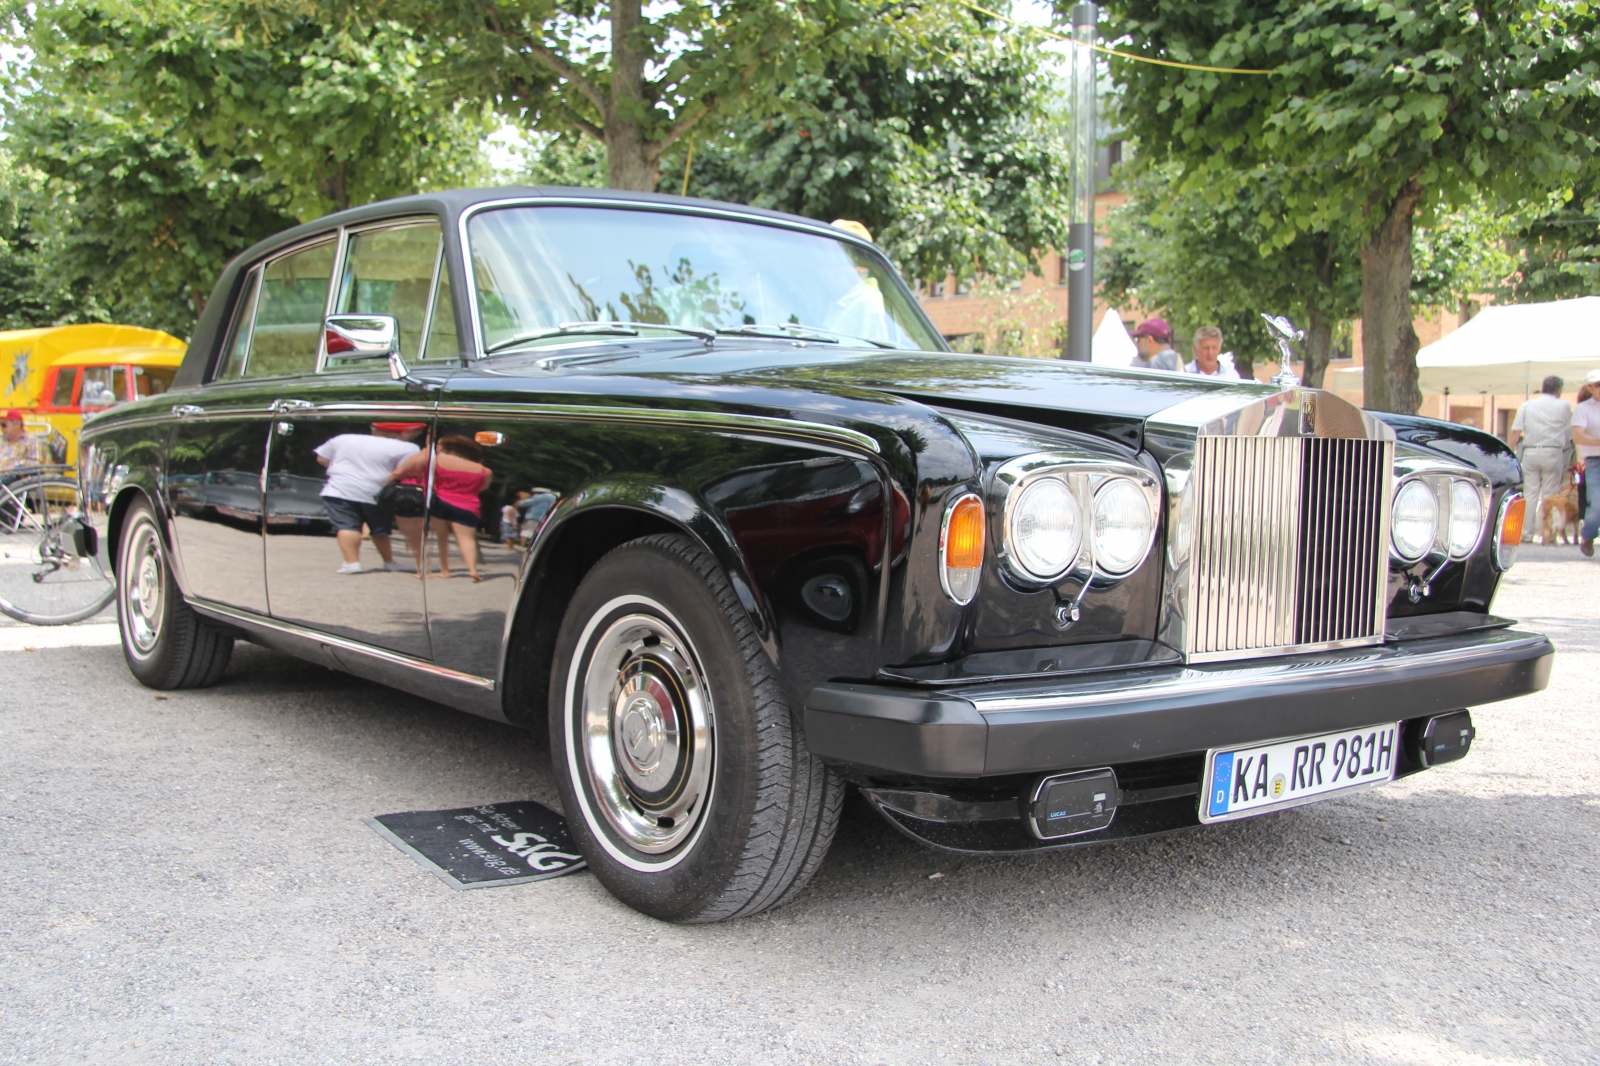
(685, 301)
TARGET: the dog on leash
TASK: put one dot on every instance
(1558, 517)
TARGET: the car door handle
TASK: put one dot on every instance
(280, 406)
(187, 410)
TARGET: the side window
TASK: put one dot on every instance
(290, 304)
(390, 272)
(154, 380)
(239, 336)
(66, 381)
(103, 386)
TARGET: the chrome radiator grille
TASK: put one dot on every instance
(1287, 543)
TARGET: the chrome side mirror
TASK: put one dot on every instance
(352, 337)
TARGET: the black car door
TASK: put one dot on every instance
(345, 409)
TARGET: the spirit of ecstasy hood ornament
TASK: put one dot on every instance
(1284, 333)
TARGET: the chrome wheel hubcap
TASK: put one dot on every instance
(644, 729)
(144, 589)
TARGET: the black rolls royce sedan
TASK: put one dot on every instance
(786, 542)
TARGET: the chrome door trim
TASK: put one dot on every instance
(758, 425)
(1189, 683)
(707, 211)
(422, 666)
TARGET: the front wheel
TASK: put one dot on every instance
(684, 776)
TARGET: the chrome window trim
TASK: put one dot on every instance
(253, 298)
(733, 215)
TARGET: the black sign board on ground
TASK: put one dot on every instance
(479, 847)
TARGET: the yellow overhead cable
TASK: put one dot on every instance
(1113, 51)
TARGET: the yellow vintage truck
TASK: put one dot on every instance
(58, 374)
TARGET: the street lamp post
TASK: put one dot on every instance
(1080, 232)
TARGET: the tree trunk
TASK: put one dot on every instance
(1388, 340)
(1319, 327)
(630, 158)
(333, 185)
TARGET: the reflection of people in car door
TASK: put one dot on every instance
(358, 466)
(454, 508)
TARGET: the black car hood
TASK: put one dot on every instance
(1106, 401)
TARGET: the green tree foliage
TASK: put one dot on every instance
(637, 79)
(956, 161)
(1381, 113)
(31, 293)
(1557, 244)
(1203, 256)
(1207, 256)
(171, 135)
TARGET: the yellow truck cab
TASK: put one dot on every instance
(59, 375)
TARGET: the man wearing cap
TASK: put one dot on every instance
(1541, 429)
(17, 449)
(1154, 338)
(1586, 435)
(358, 466)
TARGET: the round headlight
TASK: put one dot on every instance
(1415, 520)
(1044, 532)
(1123, 526)
(1466, 518)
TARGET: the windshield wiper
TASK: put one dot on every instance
(595, 329)
(795, 331)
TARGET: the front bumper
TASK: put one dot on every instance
(991, 730)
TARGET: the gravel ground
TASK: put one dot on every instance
(187, 879)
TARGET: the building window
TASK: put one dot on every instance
(935, 289)
(963, 288)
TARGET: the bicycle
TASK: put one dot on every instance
(53, 561)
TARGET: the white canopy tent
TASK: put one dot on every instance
(1512, 348)
(1111, 345)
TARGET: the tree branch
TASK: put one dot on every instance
(698, 111)
(571, 74)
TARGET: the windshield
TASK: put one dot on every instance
(537, 268)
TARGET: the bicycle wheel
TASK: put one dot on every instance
(53, 554)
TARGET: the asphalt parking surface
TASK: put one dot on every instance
(187, 879)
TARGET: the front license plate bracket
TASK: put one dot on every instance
(1247, 780)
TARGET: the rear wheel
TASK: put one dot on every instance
(166, 643)
(685, 778)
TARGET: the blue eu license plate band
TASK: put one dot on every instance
(1246, 781)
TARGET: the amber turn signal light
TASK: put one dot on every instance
(961, 548)
(1513, 512)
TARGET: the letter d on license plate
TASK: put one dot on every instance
(1240, 782)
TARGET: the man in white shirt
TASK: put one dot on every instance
(1154, 341)
(358, 466)
(1541, 429)
(1208, 355)
(1586, 435)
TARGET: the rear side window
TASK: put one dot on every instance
(279, 329)
(103, 386)
(66, 382)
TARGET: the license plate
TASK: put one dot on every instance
(1241, 782)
